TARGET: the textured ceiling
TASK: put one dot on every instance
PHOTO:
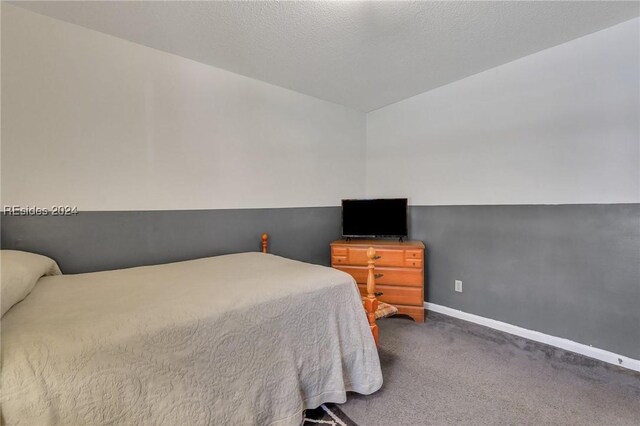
(361, 54)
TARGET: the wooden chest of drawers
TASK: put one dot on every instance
(401, 265)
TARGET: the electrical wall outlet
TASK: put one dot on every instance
(458, 286)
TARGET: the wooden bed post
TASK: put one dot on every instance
(265, 240)
(371, 302)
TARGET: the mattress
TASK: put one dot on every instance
(241, 339)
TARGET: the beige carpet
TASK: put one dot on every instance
(450, 372)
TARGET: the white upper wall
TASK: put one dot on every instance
(105, 124)
(561, 126)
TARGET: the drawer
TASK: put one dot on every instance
(338, 260)
(397, 295)
(388, 257)
(413, 263)
(390, 276)
(339, 251)
(413, 254)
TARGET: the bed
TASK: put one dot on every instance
(241, 339)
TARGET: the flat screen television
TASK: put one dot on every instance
(383, 217)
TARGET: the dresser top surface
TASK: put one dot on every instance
(379, 243)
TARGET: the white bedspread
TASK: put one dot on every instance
(230, 340)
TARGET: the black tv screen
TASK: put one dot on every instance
(385, 217)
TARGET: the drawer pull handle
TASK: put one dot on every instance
(376, 276)
(376, 257)
(378, 293)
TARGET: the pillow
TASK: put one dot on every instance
(19, 272)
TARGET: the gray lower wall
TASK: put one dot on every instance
(570, 270)
(94, 241)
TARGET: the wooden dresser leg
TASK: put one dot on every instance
(418, 317)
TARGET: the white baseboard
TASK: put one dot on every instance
(559, 342)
